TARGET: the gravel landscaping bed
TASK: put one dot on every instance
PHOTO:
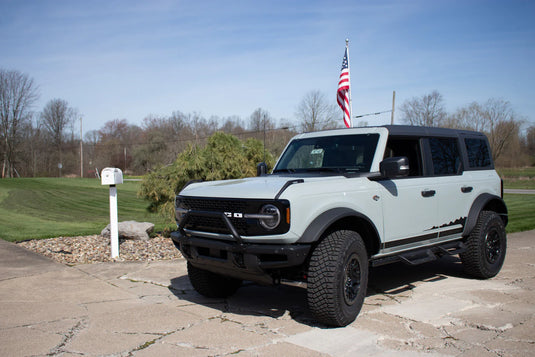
(93, 249)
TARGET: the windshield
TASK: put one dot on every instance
(342, 153)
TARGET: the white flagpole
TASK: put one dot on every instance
(349, 79)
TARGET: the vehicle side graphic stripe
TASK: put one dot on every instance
(410, 240)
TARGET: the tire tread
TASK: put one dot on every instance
(473, 257)
(323, 298)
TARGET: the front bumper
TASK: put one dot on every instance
(256, 262)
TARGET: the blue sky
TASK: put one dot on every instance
(130, 59)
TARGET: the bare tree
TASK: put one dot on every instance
(160, 139)
(495, 117)
(92, 137)
(116, 141)
(469, 117)
(199, 128)
(177, 122)
(260, 121)
(232, 125)
(35, 149)
(501, 123)
(530, 140)
(181, 133)
(56, 117)
(17, 95)
(427, 110)
(315, 113)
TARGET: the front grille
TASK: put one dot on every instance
(214, 224)
(214, 205)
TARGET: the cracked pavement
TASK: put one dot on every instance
(147, 309)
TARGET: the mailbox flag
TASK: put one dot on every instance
(344, 91)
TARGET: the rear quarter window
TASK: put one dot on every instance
(478, 153)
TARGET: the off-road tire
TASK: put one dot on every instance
(337, 278)
(210, 284)
(485, 247)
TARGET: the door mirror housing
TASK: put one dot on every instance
(394, 167)
(261, 169)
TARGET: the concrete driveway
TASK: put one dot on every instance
(150, 309)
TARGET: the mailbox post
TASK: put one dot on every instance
(112, 176)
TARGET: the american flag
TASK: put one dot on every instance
(343, 91)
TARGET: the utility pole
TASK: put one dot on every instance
(264, 117)
(393, 107)
(81, 150)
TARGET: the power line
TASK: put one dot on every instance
(377, 113)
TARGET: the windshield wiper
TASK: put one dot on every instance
(337, 170)
(284, 170)
(326, 169)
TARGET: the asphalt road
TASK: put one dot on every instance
(519, 191)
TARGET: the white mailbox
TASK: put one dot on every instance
(111, 176)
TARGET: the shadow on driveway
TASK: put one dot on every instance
(277, 301)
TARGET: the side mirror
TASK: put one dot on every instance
(261, 169)
(394, 167)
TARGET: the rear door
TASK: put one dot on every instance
(454, 192)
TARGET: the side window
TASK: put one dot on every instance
(445, 156)
(410, 148)
(478, 153)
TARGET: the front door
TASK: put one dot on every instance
(410, 209)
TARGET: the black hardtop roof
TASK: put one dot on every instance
(409, 130)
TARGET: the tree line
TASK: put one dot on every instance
(494, 117)
(47, 142)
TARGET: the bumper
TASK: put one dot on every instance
(255, 262)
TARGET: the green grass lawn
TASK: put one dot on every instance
(520, 178)
(521, 207)
(526, 172)
(521, 212)
(50, 207)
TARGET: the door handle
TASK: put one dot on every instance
(428, 193)
(466, 189)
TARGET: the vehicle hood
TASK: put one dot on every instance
(265, 187)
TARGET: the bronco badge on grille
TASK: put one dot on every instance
(234, 215)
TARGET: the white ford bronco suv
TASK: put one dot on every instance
(340, 201)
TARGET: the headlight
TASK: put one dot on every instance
(271, 217)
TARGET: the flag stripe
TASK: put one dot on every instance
(342, 96)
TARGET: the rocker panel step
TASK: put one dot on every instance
(422, 255)
(416, 259)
